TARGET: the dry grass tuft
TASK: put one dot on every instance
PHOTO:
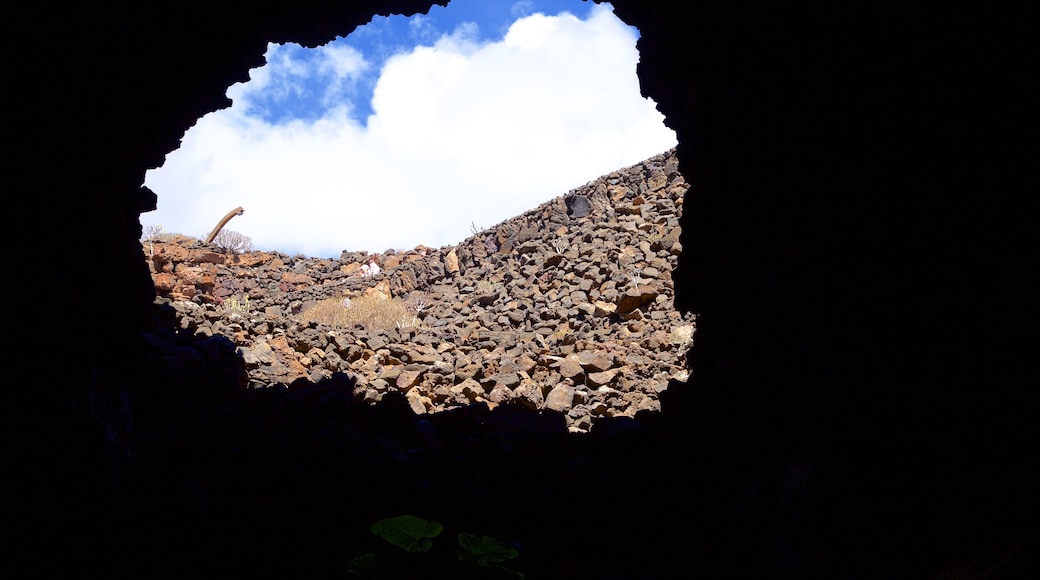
(370, 312)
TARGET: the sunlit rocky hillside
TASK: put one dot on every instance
(567, 307)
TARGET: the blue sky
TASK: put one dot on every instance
(415, 129)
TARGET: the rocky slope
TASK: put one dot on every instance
(566, 307)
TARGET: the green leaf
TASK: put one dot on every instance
(496, 572)
(484, 550)
(409, 533)
(375, 567)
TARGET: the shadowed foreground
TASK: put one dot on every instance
(861, 395)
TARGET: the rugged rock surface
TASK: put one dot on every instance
(557, 308)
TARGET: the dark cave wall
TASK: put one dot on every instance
(851, 249)
(103, 92)
(852, 241)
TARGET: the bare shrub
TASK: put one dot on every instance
(418, 301)
(152, 232)
(233, 242)
(370, 312)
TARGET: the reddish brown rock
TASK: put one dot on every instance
(538, 311)
(407, 379)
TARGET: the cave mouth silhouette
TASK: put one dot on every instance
(861, 274)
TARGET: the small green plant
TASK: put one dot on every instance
(232, 304)
(410, 533)
(479, 556)
(483, 551)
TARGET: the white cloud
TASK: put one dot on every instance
(421, 29)
(521, 8)
(341, 62)
(461, 134)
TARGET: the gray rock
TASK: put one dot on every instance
(560, 398)
(578, 206)
(544, 310)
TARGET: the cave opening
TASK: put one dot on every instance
(576, 301)
(492, 107)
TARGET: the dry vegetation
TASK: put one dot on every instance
(369, 312)
(233, 242)
(229, 241)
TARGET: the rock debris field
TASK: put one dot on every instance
(567, 307)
